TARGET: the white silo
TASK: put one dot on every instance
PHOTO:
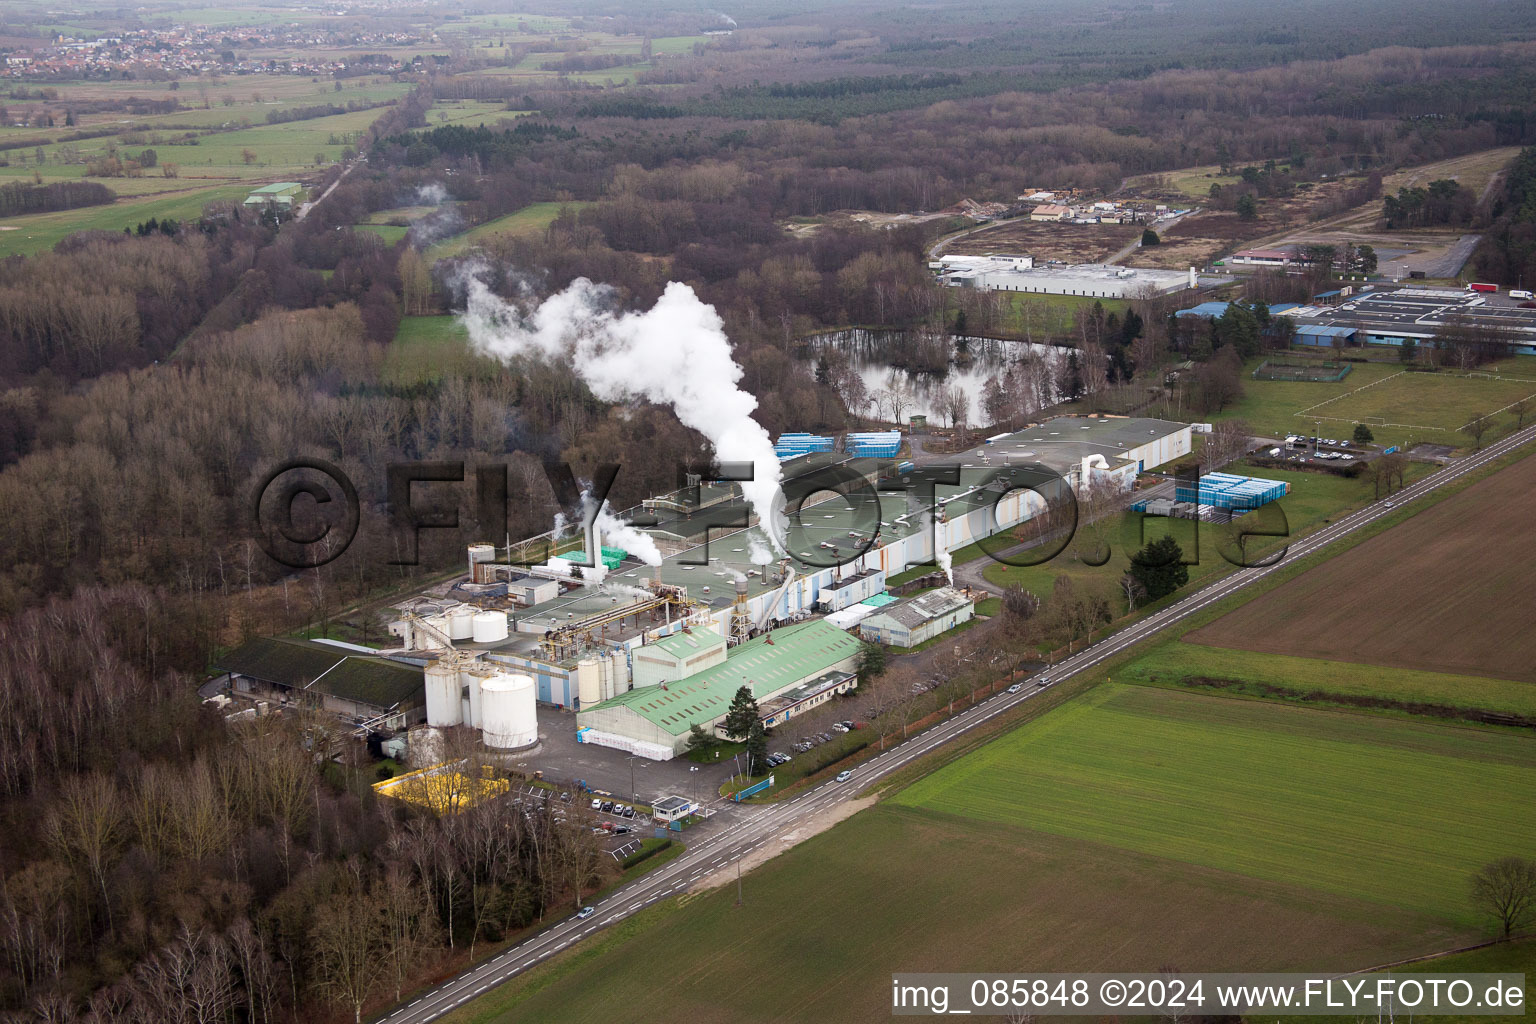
(471, 678)
(620, 665)
(508, 703)
(588, 683)
(442, 682)
(461, 622)
(480, 553)
(489, 627)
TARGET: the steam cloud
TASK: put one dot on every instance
(675, 353)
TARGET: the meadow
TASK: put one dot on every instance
(426, 347)
(1446, 590)
(530, 220)
(1269, 791)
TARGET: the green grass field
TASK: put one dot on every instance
(45, 230)
(1400, 407)
(1314, 498)
(1170, 662)
(471, 113)
(425, 347)
(391, 233)
(1385, 810)
(529, 221)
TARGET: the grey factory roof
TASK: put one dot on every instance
(894, 508)
(1419, 312)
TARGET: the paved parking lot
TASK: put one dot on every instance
(563, 760)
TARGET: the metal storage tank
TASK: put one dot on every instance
(442, 683)
(508, 702)
(620, 665)
(588, 684)
(489, 627)
(461, 622)
(472, 679)
(427, 641)
(480, 553)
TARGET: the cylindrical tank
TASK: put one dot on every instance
(588, 685)
(508, 709)
(480, 553)
(471, 679)
(461, 620)
(489, 627)
(442, 683)
(620, 665)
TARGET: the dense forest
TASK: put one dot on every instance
(156, 857)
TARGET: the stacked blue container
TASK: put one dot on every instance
(881, 444)
(790, 446)
(1224, 490)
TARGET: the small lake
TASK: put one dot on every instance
(877, 354)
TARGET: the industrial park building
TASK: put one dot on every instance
(656, 721)
(343, 679)
(1094, 280)
(918, 619)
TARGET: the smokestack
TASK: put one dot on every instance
(1191, 277)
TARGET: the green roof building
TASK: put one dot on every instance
(342, 680)
(655, 721)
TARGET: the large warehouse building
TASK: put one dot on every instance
(1397, 315)
(1020, 274)
(656, 721)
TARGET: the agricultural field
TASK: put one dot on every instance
(1269, 791)
(1182, 662)
(530, 220)
(471, 113)
(217, 147)
(1135, 826)
(1445, 591)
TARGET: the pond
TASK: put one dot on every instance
(885, 359)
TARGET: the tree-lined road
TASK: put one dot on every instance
(761, 825)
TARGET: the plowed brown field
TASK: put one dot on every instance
(1453, 590)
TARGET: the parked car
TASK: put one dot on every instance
(565, 796)
(585, 912)
(622, 830)
(607, 806)
(839, 727)
(597, 804)
(849, 723)
(844, 776)
(629, 812)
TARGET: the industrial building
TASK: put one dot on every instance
(1396, 315)
(598, 636)
(917, 619)
(352, 682)
(1097, 280)
(656, 721)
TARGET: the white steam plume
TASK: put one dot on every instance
(431, 195)
(611, 529)
(940, 551)
(675, 353)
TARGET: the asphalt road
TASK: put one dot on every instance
(759, 825)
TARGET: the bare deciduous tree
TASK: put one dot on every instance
(1506, 889)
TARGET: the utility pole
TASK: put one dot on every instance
(738, 880)
(632, 790)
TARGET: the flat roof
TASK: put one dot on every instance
(769, 663)
(1421, 313)
(305, 665)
